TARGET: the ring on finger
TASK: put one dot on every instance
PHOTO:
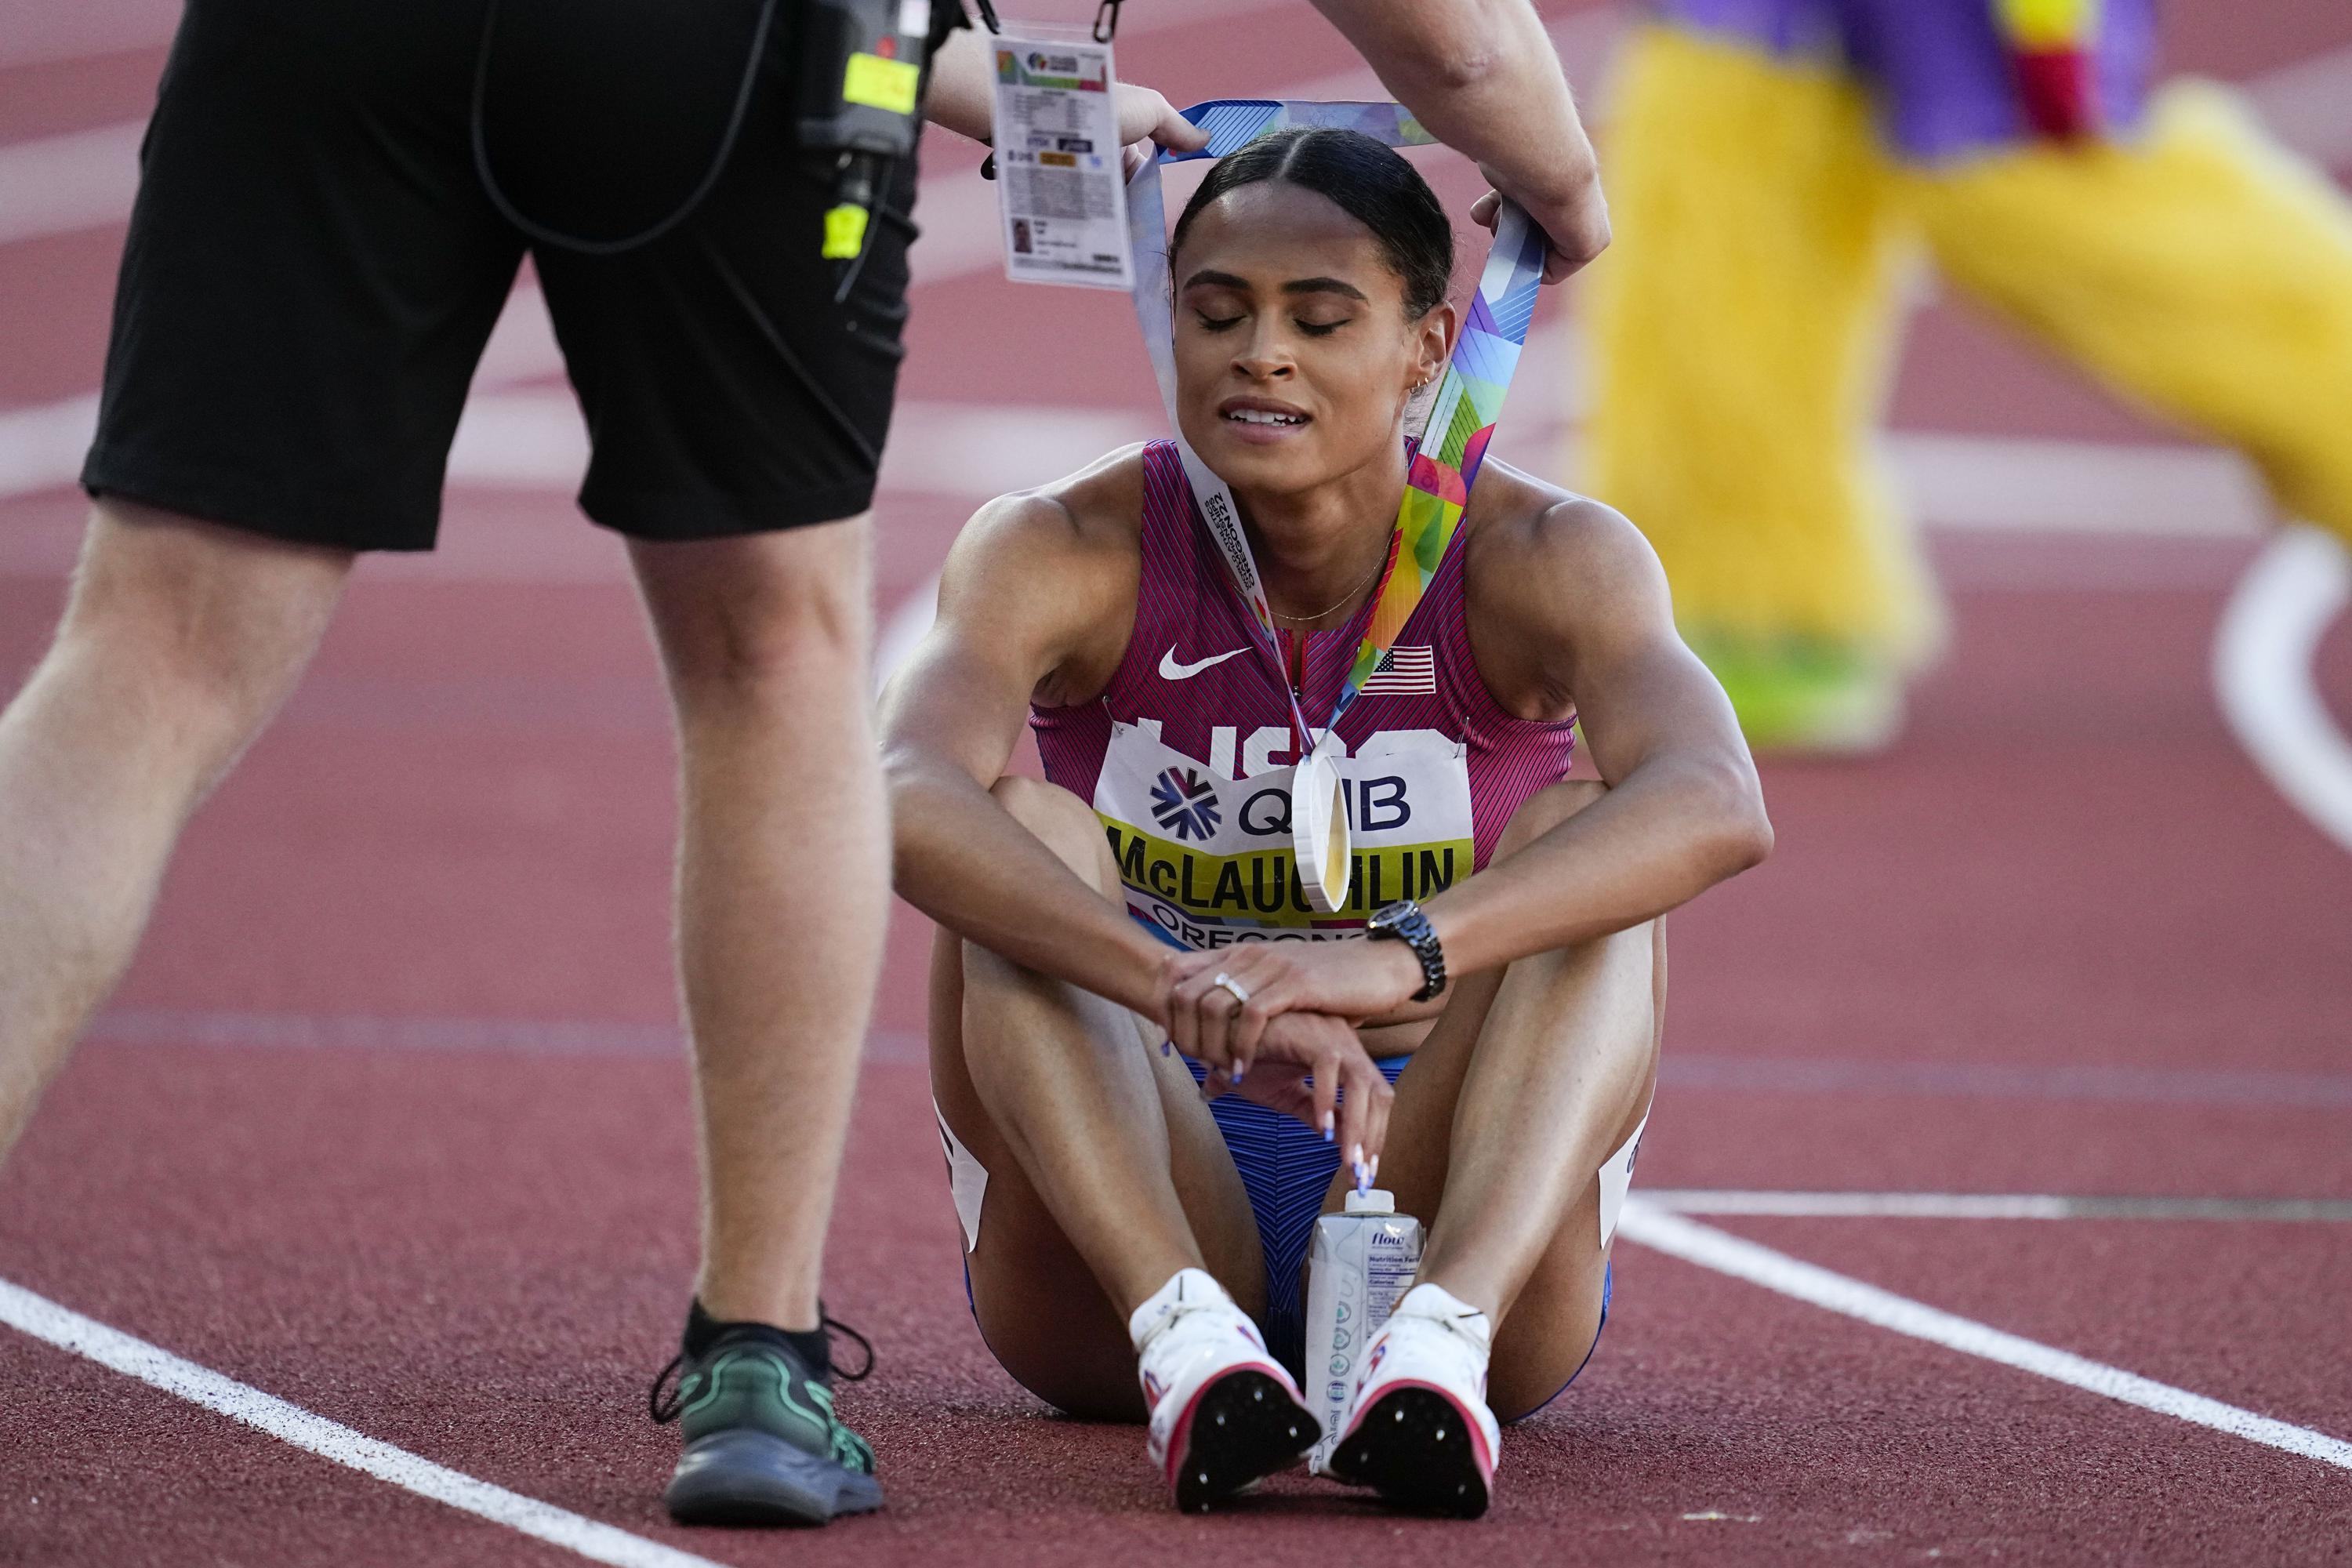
(1232, 987)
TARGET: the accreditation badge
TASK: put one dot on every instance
(1062, 193)
(1318, 832)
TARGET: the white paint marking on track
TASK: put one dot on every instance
(1987, 1205)
(2026, 483)
(42, 445)
(2263, 655)
(67, 1330)
(59, 184)
(1645, 1223)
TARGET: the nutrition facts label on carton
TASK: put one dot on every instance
(1062, 197)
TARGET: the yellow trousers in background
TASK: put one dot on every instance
(1742, 326)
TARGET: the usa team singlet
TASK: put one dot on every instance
(1187, 754)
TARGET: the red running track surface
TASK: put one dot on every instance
(389, 1120)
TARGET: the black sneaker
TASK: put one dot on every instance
(763, 1444)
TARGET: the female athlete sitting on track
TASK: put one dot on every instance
(1112, 1214)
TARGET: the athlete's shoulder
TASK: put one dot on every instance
(1054, 569)
(1086, 524)
(1097, 509)
(1537, 544)
(1547, 571)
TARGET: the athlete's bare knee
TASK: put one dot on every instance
(1545, 810)
(1063, 824)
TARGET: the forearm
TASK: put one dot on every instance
(1483, 76)
(1665, 834)
(962, 859)
(958, 96)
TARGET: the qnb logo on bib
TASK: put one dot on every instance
(1208, 858)
(1185, 803)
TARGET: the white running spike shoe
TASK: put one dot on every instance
(1418, 1430)
(1224, 1413)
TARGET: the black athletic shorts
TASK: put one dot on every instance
(314, 265)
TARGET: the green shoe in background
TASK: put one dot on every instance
(1808, 697)
(763, 1443)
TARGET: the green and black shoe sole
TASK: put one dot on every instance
(742, 1476)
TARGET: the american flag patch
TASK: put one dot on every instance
(1403, 672)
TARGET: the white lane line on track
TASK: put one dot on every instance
(1653, 1227)
(69, 1330)
(42, 445)
(60, 185)
(1989, 1205)
(2263, 655)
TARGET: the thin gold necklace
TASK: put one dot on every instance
(1342, 599)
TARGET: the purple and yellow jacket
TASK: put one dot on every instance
(1956, 77)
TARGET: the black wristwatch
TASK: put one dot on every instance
(1403, 921)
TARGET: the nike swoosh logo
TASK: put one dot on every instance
(1171, 670)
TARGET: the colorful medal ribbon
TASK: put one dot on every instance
(1462, 417)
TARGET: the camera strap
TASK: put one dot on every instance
(550, 74)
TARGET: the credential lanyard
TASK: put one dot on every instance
(1461, 419)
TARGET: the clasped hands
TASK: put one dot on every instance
(1276, 1022)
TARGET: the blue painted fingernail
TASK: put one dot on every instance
(1167, 1047)
(1238, 1071)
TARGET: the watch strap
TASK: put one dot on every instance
(1405, 921)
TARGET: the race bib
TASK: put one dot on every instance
(1208, 860)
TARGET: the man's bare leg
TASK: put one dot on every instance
(179, 640)
(783, 886)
